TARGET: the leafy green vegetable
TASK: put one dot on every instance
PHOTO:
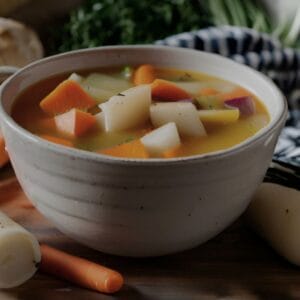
(108, 22)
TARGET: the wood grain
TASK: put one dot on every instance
(234, 265)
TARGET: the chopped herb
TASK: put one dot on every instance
(120, 94)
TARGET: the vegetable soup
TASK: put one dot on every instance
(140, 112)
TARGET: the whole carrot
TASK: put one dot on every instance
(80, 271)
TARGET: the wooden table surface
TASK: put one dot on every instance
(235, 265)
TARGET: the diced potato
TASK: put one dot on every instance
(223, 116)
(161, 139)
(128, 109)
(183, 114)
(76, 77)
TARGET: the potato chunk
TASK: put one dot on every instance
(220, 116)
(161, 139)
(128, 109)
(183, 114)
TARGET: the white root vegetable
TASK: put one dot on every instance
(274, 213)
(128, 109)
(161, 139)
(183, 114)
(100, 120)
(19, 253)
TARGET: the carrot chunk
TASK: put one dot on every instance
(80, 271)
(56, 140)
(3, 154)
(172, 153)
(144, 74)
(167, 91)
(75, 122)
(133, 149)
(236, 93)
(67, 95)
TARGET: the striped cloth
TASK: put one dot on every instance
(265, 54)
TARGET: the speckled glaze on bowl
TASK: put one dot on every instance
(140, 207)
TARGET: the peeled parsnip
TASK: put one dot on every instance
(19, 253)
(274, 213)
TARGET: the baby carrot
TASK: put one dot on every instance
(80, 271)
(144, 74)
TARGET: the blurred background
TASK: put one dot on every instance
(72, 24)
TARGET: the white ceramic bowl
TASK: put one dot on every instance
(138, 207)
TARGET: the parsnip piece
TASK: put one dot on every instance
(128, 109)
(275, 214)
(184, 115)
(223, 116)
(19, 253)
(161, 139)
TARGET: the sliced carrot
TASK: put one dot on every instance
(75, 122)
(133, 149)
(172, 153)
(80, 271)
(167, 91)
(208, 91)
(236, 93)
(3, 154)
(57, 140)
(67, 95)
(144, 74)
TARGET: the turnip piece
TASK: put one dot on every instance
(246, 105)
(161, 139)
(128, 109)
(223, 116)
(183, 114)
(100, 95)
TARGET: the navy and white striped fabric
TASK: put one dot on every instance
(265, 54)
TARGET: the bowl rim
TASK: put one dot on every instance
(98, 157)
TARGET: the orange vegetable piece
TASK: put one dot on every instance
(208, 92)
(67, 95)
(168, 91)
(133, 149)
(80, 271)
(56, 140)
(3, 154)
(144, 74)
(172, 153)
(236, 93)
(75, 122)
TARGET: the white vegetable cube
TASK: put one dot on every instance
(128, 109)
(161, 139)
(184, 115)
